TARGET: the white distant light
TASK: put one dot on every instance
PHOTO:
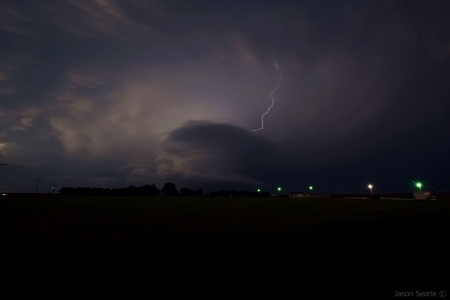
(4, 194)
(370, 186)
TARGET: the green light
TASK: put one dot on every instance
(419, 185)
(310, 187)
(279, 189)
(259, 190)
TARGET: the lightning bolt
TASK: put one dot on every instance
(273, 102)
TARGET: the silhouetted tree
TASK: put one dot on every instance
(186, 192)
(170, 189)
(146, 190)
(150, 190)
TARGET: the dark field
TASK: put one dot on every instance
(314, 247)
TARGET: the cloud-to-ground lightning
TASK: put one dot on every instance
(273, 102)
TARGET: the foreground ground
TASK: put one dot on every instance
(311, 246)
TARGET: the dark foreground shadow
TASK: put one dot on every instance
(313, 279)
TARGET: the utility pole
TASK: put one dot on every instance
(49, 184)
(37, 182)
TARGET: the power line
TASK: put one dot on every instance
(428, 61)
(37, 183)
(22, 174)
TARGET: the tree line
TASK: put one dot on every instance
(169, 189)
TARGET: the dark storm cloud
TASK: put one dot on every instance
(202, 135)
(104, 92)
(208, 151)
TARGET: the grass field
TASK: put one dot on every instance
(310, 245)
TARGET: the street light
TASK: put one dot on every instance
(370, 187)
(259, 190)
(310, 187)
(279, 189)
(419, 185)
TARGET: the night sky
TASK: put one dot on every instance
(113, 93)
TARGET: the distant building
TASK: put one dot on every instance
(422, 195)
(319, 196)
(306, 195)
(298, 195)
(443, 195)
